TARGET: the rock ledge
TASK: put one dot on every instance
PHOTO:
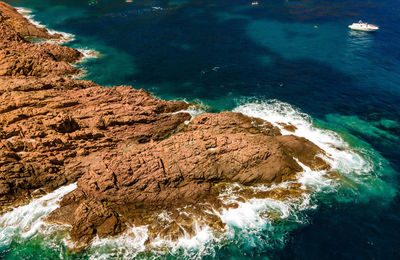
(132, 154)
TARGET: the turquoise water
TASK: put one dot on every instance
(293, 61)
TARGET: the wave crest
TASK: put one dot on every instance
(257, 218)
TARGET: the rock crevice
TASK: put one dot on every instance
(129, 152)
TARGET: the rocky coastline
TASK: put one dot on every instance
(130, 153)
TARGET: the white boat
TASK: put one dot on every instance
(361, 26)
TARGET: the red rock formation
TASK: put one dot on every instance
(183, 169)
(19, 57)
(19, 24)
(50, 123)
(49, 127)
(129, 151)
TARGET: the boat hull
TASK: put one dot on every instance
(364, 28)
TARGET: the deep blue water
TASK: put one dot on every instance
(222, 53)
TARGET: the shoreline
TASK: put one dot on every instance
(65, 37)
(119, 141)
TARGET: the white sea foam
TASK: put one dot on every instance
(359, 166)
(189, 246)
(250, 221)
(198, 245)
(251, 213)
(66, 37)
(27, 220)
(126, 246)
(339, 154)
(165, 216)
(88, 54)
(133, 242)
(253, 223)
(194, 111)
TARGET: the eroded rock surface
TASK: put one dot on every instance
(50, 124)
(183, 169)
(130, 153)
(19, 24)
(18, 57)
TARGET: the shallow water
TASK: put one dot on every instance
(337, 86)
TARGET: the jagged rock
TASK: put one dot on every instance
(55, 123)
(21, 25)
(130, 152)
(62, 123)
(4, 188)
(21, 57)
(50, 124)
(182, 169)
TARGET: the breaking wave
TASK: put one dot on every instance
(359, 165)
(26, 221)
(264, 223)
(254, 224)
(66, 37)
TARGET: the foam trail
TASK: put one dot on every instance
(194, 111)
(315, 180)
(66, 37)
(28, 220)
(247, 214)
(191, 247)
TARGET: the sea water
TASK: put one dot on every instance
(283, 61)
